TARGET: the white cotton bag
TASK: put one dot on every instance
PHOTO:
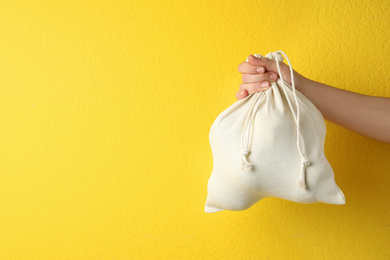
(270, 144)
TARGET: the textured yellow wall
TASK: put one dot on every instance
(104, 119)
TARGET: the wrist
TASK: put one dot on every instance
(301, 82)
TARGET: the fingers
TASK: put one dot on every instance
(257, 75)
(243, 93)
(268, 76)
(253, 61)
(270, 66)
(247, 68)
(252, 88)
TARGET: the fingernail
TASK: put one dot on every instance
(264, 84)
(273, 76)
(260, 70)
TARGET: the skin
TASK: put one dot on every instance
(365, 115)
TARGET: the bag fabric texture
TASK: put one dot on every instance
(270, 144)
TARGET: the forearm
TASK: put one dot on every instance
(365, 115)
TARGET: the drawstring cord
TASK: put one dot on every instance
(247, 130)
(304, 160)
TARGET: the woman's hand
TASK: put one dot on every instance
(257, 75)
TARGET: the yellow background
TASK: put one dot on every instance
(105, 111)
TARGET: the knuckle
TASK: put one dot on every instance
(262, 77)
(244, 77)
(255, 61)
(257, 88)
(239, 68)
(254, 69)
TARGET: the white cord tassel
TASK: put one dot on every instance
(302, 182)
(245, 164)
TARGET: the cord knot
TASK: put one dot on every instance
(245, 164)
(305, 161)
(302, 181)
(245, 153)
